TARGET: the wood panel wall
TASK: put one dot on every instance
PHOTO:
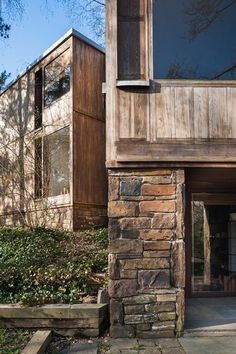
(189, 121)
(170, 120)
(89, 172)
(178, 113)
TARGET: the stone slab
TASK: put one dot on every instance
(206, 345)
(123, 343)
(77, 348)
(168, 343)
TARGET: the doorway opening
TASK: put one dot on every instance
(210, 249)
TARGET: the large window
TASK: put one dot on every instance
(213, 245)
(56, 156)
(52, 161)
(57, 78)
(194, 39)
(38, 184)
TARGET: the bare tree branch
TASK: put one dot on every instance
(93, 11)
(204, 13)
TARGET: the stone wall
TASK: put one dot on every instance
(55, 217)
(66, 217)
(147, 252)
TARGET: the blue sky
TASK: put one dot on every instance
(36, 31)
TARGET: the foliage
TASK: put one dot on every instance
(103, 348)
(13, 341)
(40, 266)
(4, 29)
(92, 11)
(3, 77)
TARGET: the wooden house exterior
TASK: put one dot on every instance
(171, 154)
(52, 127)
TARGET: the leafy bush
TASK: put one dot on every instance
(43, 266)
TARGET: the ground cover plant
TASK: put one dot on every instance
(42, 266)
(13, 341)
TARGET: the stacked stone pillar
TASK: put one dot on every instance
(146, 252)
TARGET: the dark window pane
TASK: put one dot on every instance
(56, 163)
(38, 103)
(38, 168)
(57, 78)
(131, 42)
(194, 39)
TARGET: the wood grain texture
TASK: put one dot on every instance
(180, 123)
(38, 343)
(88, 76)
(89, 172)
(176, 120)
(183, 150)
(90, 182)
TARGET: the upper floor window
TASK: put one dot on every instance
(194, 39)
(38, 99)
(131, 39)
(57, 78)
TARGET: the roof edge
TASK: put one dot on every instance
(68, 34)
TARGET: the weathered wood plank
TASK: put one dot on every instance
(231, 106)
(183, 118)
(162, 111)
(218, 115)
(63, 311)
(177, 151)
(38, 343)
(91, 323)
(201, 112)
(198, 115)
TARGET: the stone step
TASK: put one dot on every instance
(78, 348)
(192, 333)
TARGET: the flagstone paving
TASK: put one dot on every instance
(188, 345)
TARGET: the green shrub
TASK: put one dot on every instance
(12, 341)
(43, 266)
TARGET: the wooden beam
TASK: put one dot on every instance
(200, 151)
(38, 343)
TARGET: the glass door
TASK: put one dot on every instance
(213, 245)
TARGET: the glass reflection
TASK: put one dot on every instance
(57, 78)
(213, 247)
(195, 39)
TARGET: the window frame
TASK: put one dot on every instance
(58, 199)
(179, 81)
(44, 78)
(146, 41)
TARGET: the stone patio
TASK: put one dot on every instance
(197, 345)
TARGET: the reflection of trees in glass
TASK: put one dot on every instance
(56, 163)
(204, 13)
(177, 71)
(198, 42)
(198, 237)
(57, 78)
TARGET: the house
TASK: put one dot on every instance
(52, 149)
(171, 159)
